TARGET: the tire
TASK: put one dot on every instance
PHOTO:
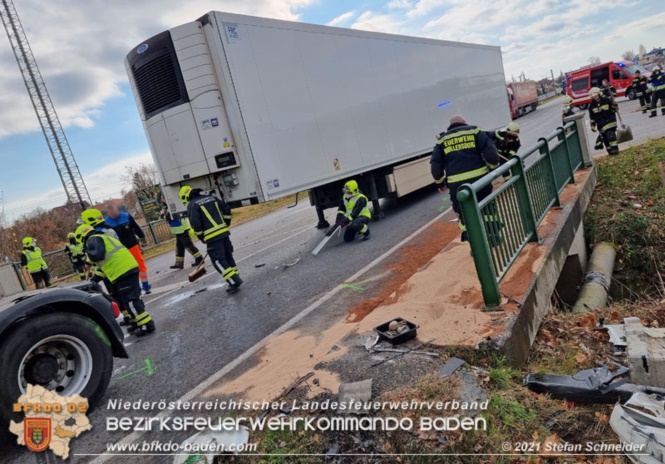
(520, 112)
(631, 94)
(583, 107)
(534, 106)
(39, 345)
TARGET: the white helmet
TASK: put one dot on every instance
(568, 100)
(594, 91)
(513, 128)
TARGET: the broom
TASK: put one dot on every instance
(200, 271)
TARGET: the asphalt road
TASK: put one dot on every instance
(201, 329)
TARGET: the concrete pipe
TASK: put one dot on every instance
(593, 294)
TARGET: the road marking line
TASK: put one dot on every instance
(207, 383)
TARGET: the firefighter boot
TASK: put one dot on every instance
(234, 284)
(367, 235)
(147, 288)
(178, 265)
(197, 261)
(145, 324)
(653, 114)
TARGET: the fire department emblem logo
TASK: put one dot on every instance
(37, 433)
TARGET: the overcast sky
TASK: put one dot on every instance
(80, 46)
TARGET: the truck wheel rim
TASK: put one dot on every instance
(60, 363)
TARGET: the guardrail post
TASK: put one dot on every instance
(524, 200)
(546, 146)
(482, 258)
(152, 232)
(570, 163)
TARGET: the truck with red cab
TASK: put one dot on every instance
(620, 75)
(522, 98)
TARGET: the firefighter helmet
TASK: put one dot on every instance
(656, 69)
(568, 100)
(28, 242)
(513, 128)
(351, 187)
(185, 191)
(71, 235)
(92, 217)
(594, 91)
(82, 232)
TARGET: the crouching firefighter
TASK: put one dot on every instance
(120, 268)
(74, 251)
(462, 155)
(353, 213)
(210, 219)
(507, 143)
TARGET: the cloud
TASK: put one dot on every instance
(344, 17)
(80, 47)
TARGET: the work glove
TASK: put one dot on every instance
(144, 242)
(593, 128)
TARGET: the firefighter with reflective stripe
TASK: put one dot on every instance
(640, 84)
(657, 81)
(507, 143)
(122, 271)
(210, 218)
(462, 155)
(74, 251)
(129, 234)
(602, 113)
(33, 261)
(567, 109)
(180, 229)
(353, 213)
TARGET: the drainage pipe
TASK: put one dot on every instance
(593, 294)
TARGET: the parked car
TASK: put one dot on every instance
(63, 339)
(619, 74)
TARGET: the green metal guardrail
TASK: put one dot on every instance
(500, 225)
(60, 267)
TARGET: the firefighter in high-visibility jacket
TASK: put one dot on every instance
(507, 143)
(180, 229)
(657, 81)
(210, 219)
(567, 109)
(74, 250)
(122, 271)
(462, 155)
(33, 261)
(603, 117)
(640, 84)
(353, 213)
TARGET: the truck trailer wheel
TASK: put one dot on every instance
(63, 352)
(632, 94)
(584, 107)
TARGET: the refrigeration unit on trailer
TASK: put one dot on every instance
(257, 108)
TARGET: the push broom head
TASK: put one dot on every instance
(199, 272)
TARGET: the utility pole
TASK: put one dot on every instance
(61, 152)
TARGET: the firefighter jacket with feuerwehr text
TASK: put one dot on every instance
(209, 216)
(462, 153)
(602, 113)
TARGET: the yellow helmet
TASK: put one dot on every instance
(82, 232)
(513, 128)
(92, 217)
(28, 242)
(568, 100)
(594, 91)
(351, 187)
(71, 235)
(184, 194)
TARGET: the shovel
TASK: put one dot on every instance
(624, 132)
(199, 272)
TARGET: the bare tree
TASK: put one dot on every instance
(594, 60)
(628, 55)
(141, 176)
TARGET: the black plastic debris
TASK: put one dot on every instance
(397, 331)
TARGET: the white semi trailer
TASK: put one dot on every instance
(258, 108)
